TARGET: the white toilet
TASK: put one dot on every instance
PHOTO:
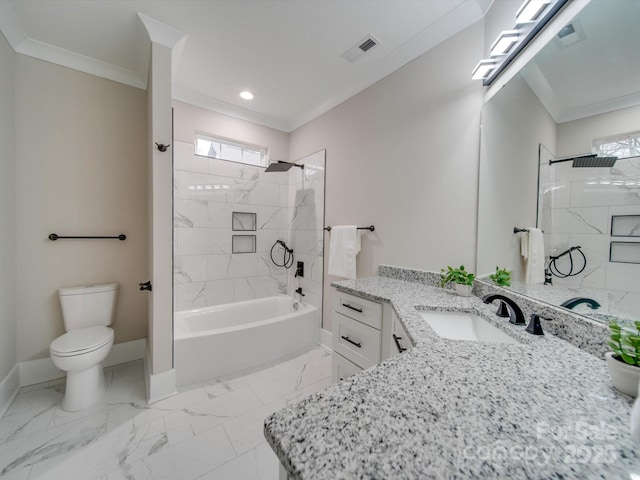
(80, 352)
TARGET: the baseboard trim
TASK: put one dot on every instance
(43, 369)
(161, 385)
(326, 338)
(9, 388)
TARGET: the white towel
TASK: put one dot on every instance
(532, 250)
(343, 248)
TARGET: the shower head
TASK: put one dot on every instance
(282, 166)
(585, 161)
(606, 162)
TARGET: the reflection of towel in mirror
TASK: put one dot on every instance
(343, 248)
(532, 250)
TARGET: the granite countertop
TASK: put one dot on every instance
(455, 409)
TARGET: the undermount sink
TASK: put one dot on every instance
(465, 326)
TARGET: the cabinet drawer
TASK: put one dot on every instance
(356, 341)
(364, 311)
(342, 368)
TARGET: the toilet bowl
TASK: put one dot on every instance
(80, 352)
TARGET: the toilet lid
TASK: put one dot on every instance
(81, 340)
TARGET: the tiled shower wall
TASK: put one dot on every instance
(206, 193)
(575, 209)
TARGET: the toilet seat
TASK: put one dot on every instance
(80, 341)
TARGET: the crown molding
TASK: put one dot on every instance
(21, 43)
(161, 33)
(184, 95)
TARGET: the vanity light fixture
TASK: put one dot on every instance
(530, 10)
(246, 95)
(483, 69)
(531, 18)
(505, 41)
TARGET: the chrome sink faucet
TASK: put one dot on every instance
(508, 308)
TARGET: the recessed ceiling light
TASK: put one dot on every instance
(246, 94)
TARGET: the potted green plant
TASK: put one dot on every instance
(624, 359)
(461, 279)
(501, 277)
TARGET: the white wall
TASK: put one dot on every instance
(81, 169)
(514, 122)
(403, 155)
(189, 119)
(8, 246)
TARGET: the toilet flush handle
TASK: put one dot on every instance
(145, 285)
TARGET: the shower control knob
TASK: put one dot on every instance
(145, 286)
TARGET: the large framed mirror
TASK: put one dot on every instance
(579, 95)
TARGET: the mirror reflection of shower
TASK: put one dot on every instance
(589, 210)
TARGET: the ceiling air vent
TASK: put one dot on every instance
(358, 50)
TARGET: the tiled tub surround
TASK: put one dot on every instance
(449, 409)
(576, 206)
(206, 193)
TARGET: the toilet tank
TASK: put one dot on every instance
(88, 306)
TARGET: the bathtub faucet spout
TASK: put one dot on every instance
(299, 292)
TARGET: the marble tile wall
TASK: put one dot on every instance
(306, 225)
(289, 206)
(206, 193)
(576, 206)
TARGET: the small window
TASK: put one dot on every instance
(621, 146)
(208, 146)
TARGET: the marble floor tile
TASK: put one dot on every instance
(246, 431)
(185, 461)
(287, 381)
(257, 464)
(210, 431)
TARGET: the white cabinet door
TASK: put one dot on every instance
(399, 339)
(342, 368)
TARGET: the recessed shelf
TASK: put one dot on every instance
(624, 252)
(243, 244)
(625, 225)
(243, 222)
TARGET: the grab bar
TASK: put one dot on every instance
(53, 237)
(371, 228)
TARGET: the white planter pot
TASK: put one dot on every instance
(463, 290)
(624, 377)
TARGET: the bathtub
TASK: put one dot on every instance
(216, 342)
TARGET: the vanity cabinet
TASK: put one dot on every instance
(364, 334)
(357, 335)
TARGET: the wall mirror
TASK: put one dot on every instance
(581, 91)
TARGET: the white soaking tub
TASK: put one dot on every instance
(215, 342)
